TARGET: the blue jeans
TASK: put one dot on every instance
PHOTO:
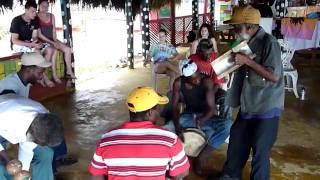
(246, 134)
(216, 129)
(59, 151)
(41, 164)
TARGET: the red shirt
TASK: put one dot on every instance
(139, 150)
(205, 67)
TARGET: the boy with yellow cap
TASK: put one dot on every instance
(138, 149)
(258, 90)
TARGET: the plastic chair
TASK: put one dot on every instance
(290, 74)
(154, 77)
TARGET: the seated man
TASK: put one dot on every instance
(138, 149)
(31, 72)
(28, 123)
(203, 58)
(198, 95)
(32, 69)
(164, 55)
(24, 36)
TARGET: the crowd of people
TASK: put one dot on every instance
(139, 149)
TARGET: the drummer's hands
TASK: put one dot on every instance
(179, 132)
(241, 59)
(198, 121)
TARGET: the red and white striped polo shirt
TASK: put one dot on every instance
(139, 150)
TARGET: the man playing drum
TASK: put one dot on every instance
(198, 95)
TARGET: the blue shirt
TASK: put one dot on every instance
(161, 52)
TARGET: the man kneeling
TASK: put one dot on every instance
(28, 123)
(198, 95)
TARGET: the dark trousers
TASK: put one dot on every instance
(246, 134)
(58, 152)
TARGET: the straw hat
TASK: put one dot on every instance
(243, 15)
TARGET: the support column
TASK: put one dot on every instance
(173, 22)
(67, 33)
(204, 18)
(129, 33)
(281, 8)
(145, 10)
(212, 4)
(195, 15)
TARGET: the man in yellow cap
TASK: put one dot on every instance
(258, 90)
(138, 149)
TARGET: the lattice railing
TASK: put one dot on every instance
(182, 26)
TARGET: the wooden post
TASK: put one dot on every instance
(67, 33)
(281, 8)
(204, 18)
(129, 16)
(212, 3)
(145, 10)
(195, 14)
(173, 22)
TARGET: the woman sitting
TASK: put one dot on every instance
(205, 32)
(48, 34)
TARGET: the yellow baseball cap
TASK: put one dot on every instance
(246, 14)
(144, 98)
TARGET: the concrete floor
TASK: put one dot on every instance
(99, 104)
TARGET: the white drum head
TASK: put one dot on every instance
(194, 141)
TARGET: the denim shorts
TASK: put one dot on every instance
(216, 129)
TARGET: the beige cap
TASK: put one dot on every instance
(34, 59)
(246, 14)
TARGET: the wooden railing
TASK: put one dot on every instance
(183, 25)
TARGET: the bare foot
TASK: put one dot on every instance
(43, 84)
(49, 83)
(57, 80)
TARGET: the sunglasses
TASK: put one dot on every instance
(186, 65)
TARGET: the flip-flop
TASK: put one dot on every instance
(68, 76)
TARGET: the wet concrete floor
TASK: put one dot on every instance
(99, 105)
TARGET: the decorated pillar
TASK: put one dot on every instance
(145, 28)
(195, 15)
(212, 21)
(67, 33)
(173, 21)
(129, 33)
(281, 7)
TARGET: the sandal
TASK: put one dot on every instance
(145, 63)
(69, 76)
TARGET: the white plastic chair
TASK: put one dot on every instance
(289, 72)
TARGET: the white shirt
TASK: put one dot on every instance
(16, 116)
(13, 82)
